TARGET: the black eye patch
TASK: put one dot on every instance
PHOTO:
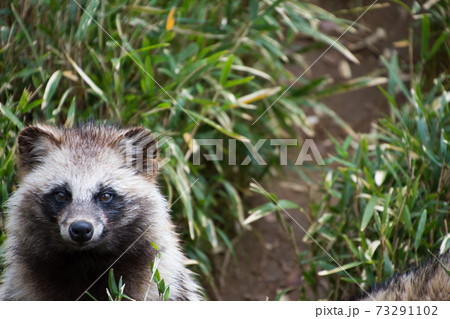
(106, 196)
(112, 203)
(55, 200)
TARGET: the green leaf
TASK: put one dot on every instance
(154, 246)
(70, 120)
(425, 36)
(187, 52)
(216, 126)
(253, 9)
(420, 228)
(86, 19)
(30, 106)
(166, 293)
(157, 276)
(258, 189)
(11, 116)
(437, 44)
(90, 296)
(112, 282)
(406, 217)
(320, 36)
(339, 269)
(351, 245)
(211, 232)
(368, 212)
(147, 48)
(87, 79)
(226, 70)
(423, 131)
(393, 76)
(236, 199)
(227, 243)
(61, 102)
(161, 286)
(23, 101)
(286, 204)
(50, 89)
(445, 245)
(232, 83)
(259, 212)
(388, 268)
(149, 80)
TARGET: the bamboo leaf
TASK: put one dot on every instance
(232, 83)
(216, 126)
(259, 212)
(86, 20)
(420, 229)
(11, 116)
(166, 293)
(339, 269)
(161, 286)
(286, 204)
(50, 89)
(71, 114)
(112, 282)
(445, 245)
(226, 70)
(368, 212)
(87, 79)
(425, 36)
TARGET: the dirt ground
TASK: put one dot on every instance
(267, 260)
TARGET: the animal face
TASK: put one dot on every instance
(88, 187)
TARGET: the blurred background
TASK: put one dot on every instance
(373, 96)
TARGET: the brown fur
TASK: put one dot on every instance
(429, 282)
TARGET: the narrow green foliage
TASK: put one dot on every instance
(386, 204)
(368, 212)
(163, 289)
(420, 229)
(115, 291)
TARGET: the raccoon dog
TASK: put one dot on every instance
(429, 282)
(87, 199)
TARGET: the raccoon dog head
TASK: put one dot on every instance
(88, 187)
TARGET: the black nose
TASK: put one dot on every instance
(81, 231)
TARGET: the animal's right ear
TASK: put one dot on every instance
(34, 144)
(140, 150)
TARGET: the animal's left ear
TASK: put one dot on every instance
(140, 150)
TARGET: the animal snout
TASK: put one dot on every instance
(81, 231)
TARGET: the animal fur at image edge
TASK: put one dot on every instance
(428, 282)
(78, 207)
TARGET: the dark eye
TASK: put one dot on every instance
(61, 197)
(106, 197)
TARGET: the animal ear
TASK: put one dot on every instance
(34, 144)
(140, 149)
